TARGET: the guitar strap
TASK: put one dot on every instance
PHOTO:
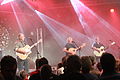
(23, 43)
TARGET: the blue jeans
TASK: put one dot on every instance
(23, 65)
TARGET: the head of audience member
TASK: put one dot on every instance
(60, 69)
(40, 62)
(73, 64)
(64, 60)
(59, 65)
(1, 77)
(8, 67)
(23, 75)
(108, 62)
(86, 64)
(93, 60)
(117, 67)
(99, 67)
(45, 72)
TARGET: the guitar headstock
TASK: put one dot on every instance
(112, 43)
(39, 41)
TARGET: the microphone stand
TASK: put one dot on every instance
(38, 53)
(77, 47)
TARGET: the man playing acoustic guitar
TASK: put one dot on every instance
(23, 51)
(20, 43)
(98, 48)
(71, 48)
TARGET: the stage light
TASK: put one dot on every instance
(112, 10)
(6, 1)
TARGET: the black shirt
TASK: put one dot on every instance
(97, 45)
(69, 45)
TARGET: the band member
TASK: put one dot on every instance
(69, 45)
(98, 48)
(20, 43)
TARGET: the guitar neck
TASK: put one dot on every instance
(78, 48)
(35, 44)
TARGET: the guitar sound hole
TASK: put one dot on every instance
(101, 49)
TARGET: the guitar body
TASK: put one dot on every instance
(72, 51)
(22, 56)
(27, 50)
(100, 51)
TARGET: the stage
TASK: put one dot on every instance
(54, 21)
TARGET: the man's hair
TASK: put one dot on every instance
(40, 62)
(73, 63)
(7, 62)
(108, 62)
(45, 72)
(8, 67)
(86, 64)
(19, 35)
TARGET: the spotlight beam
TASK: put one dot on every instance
(95, 25)
(18, 21)
(6, 1)
(60, 32)
(91, 21)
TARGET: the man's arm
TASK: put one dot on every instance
(18, 49)
(94, 48)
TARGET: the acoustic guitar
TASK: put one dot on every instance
(74, 50)
(101, 50)
(27, 50)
